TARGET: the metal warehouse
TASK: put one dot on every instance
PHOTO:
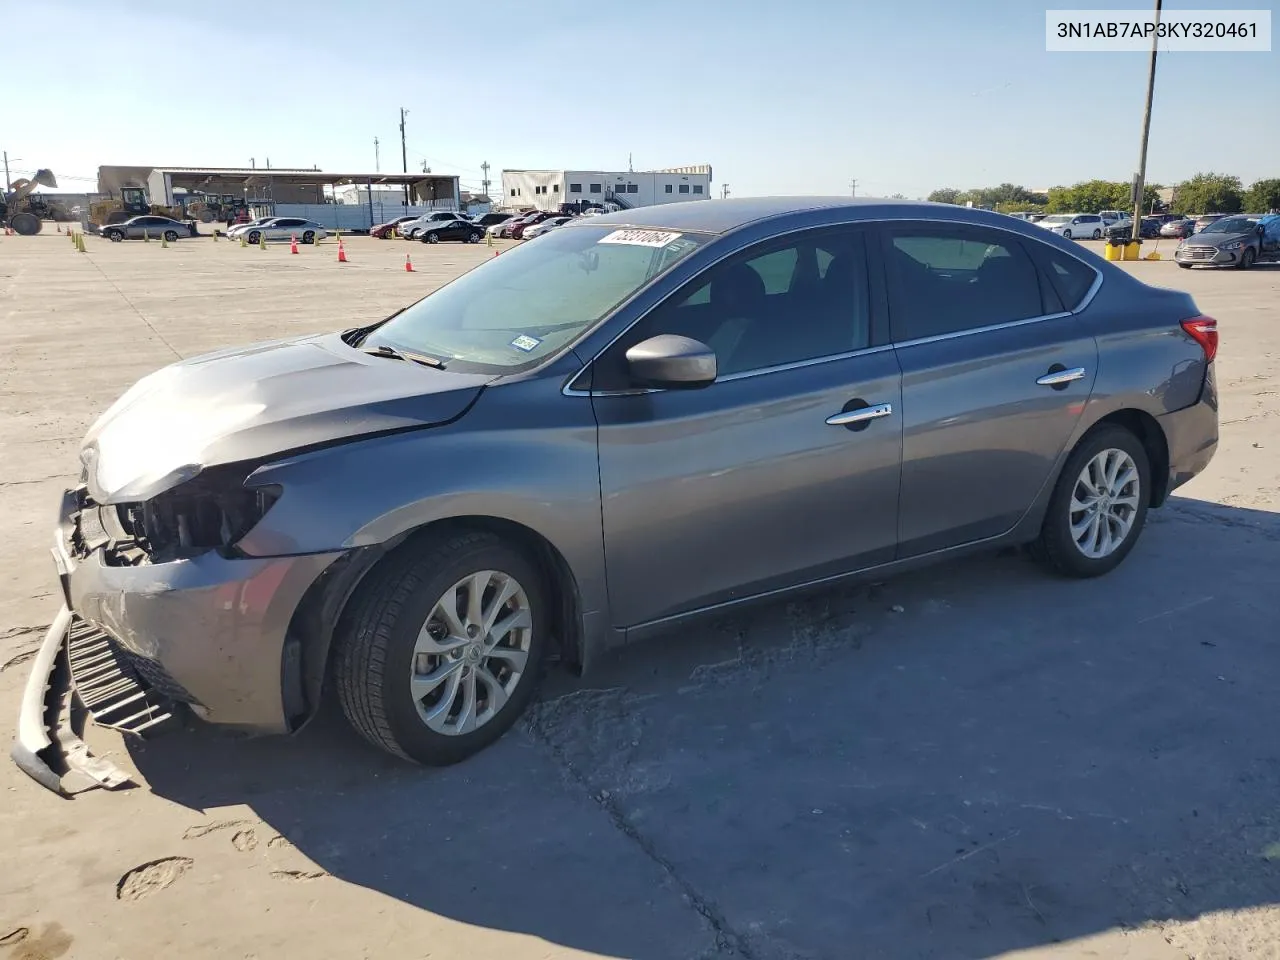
(553, 189)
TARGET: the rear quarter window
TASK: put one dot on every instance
(1071, 278)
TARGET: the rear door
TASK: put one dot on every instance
(995, 375)
(785, 470)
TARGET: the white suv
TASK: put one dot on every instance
(1074, 225)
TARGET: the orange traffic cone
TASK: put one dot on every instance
(293, 243)
(342, 254)
(408, 264)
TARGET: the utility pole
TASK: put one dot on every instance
(377, 157)
(1140, 180)
(853, 188)
(724, 191)
(484, 182)
(404, 153)
(8, 185)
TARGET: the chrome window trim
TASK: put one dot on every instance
(567, 391)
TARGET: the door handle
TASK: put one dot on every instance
(861, 415)
(1061, 377)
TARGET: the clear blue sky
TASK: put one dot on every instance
(780, 96)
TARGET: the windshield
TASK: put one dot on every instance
(1057, 218)
(517, 309)
(1231, 225)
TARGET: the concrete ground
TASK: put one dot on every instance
(972, 761)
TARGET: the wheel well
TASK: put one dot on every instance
(309, 639)
(1145, 427)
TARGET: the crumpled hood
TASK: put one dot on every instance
(252, 402)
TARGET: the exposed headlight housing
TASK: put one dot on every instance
(1233, 245)
(212, 511)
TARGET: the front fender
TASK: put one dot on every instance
(524, 453)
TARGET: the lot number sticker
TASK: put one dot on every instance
(525, 343)
(641, 238)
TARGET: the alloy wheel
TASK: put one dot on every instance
(471, 653)
(1104, 503)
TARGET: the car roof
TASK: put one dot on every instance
(724, 216)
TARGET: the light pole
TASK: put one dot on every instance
(1140, 181)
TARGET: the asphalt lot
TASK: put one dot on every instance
(971, 761)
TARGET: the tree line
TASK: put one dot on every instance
(1203, 193)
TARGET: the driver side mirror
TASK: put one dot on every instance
(670, 362)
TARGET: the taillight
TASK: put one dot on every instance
(1204, 330)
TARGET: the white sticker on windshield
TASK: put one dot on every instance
(641, 238)
(525, 343)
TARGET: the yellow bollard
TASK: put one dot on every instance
(262, 240)
(215, 236)
(80, 242)
(146, 236)
(488, 238)
(243, 241)
(164, 241)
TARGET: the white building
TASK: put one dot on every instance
(549, 189)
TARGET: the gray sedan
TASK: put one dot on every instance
(152, 227)
(642, 419)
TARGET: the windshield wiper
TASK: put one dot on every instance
(391, 353)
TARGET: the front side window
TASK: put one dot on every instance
(946, 279)
(802, 299)
(515, 310)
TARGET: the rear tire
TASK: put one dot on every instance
(392, 635)
(309, 236)
(171, 236)
(1097, 234)
(1065, 540)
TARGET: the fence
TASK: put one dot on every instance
(352, 217)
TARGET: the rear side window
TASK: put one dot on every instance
(1070, 278)
(946, 279)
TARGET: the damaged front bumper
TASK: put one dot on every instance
(135, 644)
(78, 673)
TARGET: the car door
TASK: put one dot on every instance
(995, 375)
(139, 227)
(785, 469)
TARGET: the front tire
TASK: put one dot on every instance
(1066, 234)
(473, 238)
(254, 238)
(115, 236)
(440, 650)
(1246, 259)
(1099, 505)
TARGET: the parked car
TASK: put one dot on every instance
(411, 229)
(643, 394)
(284, 229)
(383, 231)
(156, 228)
(1073, 226)
(1206, 219)
(1123, 229)
(490, 219)
(538, 229)
(464, 230)
(505, 229)
(1178, 228)
(517, 231)
(1237, 241)
(237, 229)
(1110, 217)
